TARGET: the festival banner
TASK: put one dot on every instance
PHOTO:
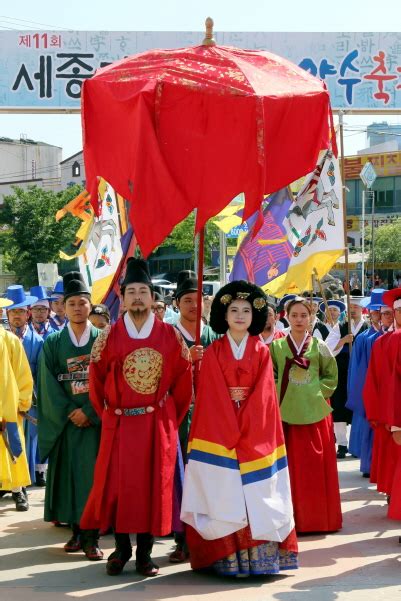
(45, 69)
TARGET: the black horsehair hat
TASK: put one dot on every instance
(137, 273)
(187, 282)
(74, 285)
(100, 310)
(239, 290)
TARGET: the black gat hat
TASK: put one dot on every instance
(137, 272)
(74, 285)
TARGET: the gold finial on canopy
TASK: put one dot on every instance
(209, 39)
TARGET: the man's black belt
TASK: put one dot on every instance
(75, 375)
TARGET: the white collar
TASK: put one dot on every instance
(144, 331)
(299, 348)
(269, 339)
(355, 327)
(84, 338)
(185, 332)
(238, 350)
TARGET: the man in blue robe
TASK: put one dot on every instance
(40, 312)
(58, 318)
(17, 315)
(361, 437)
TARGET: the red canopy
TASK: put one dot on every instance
(175, 130)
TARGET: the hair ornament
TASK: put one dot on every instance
(226, 299)
(259, 303)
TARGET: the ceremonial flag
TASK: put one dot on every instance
(97, 244)
(112, 297)
(314, 225)
(264, 257)
(103, 251)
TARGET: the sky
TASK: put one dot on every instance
(189, 15)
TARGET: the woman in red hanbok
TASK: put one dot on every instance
(237, 498)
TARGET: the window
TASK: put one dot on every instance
(384, 199)
(76, 169)
(351, 196)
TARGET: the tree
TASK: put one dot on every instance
(183, 239)
(387, 243)
(31, 234)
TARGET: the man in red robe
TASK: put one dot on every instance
(382, 400)
(141, 387)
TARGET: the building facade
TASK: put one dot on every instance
(386, 189)
(26, 162)
(72, 171)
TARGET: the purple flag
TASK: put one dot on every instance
(266, 256)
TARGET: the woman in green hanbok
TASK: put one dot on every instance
(306, 376)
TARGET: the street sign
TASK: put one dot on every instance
(235, 231)
(368, 174)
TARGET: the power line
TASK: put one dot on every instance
(21, 174)
(9, 28)
(33, 22)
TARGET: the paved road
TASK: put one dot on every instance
(363, 559)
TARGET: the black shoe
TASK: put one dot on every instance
(40, 479)
(21, 502)
(4, 492)
(93, 552)
(342, 452)
(117, 560)
(73, 544)
(365, 475)
(147, 569)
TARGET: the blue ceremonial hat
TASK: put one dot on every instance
(284, 300)
(333, 303)
(375, 302)
(58, 291)
(40, 292)
(17, 295)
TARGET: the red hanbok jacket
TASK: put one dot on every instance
(133, 482)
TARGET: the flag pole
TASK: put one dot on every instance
(344, 199)
(324, 297)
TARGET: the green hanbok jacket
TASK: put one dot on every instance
(307, 389)
(71, 450)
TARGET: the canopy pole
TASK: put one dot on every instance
(344, 199)
(201, 254)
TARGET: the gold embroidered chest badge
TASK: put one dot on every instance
(142, 370)
(299, 376)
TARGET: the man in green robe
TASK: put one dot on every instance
(186, 296)
(68, 427)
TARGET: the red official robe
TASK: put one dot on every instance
(375, 393)
(133, 482)
(382, 400)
